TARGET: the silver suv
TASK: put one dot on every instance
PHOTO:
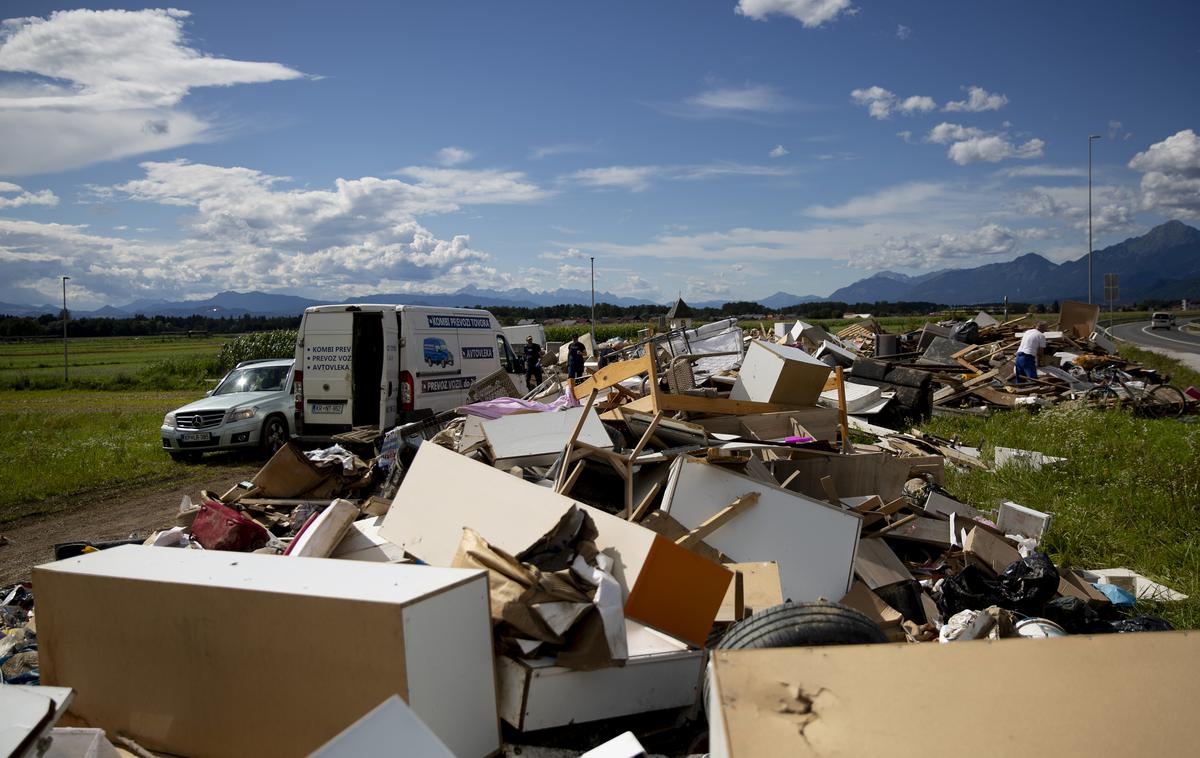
(1162, 320)
(250, 408)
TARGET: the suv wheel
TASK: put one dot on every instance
(274, 435)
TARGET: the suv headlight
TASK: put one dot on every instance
(169, 419)
(243, 413)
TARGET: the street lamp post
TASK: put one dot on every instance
(64, 320)
(1091, 138)
(593, 328)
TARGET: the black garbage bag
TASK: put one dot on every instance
(1075, 616)
(967, 331)
(1028, 584)
(1141, 624)
(969, 589)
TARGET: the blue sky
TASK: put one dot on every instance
(722, 149)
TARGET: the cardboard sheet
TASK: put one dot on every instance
(666, 586)
(1078, 319)
(174, 648)
(1134, 696)
(813, 542)
(760, 588)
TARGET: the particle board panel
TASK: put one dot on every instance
(772, 373)
(444, 492)
(165, 645)
(813, 542)
(841, 700)
(536, 439)
(661, 673)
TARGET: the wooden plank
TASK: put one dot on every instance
(718, 406)
(717, 520)
(830, 490)
(615, 373)
(841, 388)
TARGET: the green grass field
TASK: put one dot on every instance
(104, 362)
(55, 444)
(1128, 495)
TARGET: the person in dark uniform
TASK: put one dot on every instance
(533, 363)
(576, 353)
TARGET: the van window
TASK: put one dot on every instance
(508, 358)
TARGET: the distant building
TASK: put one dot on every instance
(680, 315)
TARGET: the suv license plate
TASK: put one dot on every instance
(326, 409)
(195, 437)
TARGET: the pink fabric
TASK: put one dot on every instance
(503, 406)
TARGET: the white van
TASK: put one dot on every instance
(379, 365)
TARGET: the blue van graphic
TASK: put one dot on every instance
(436, 352)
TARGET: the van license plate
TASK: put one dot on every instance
(195, 437)
(326, 409)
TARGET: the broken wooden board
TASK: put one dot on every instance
(878, 565)
(761, 589)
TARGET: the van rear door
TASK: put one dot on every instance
(389, 383)
(327, 390)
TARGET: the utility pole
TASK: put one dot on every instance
(1091, 138)
(64, 320)
(593, 260)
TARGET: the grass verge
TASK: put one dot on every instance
(1128, 494)
(58, 444)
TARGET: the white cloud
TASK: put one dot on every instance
(24, 197)
(1043, 171)
(453, 156)
(633, 178)
(756, 98)
(810, 13)
(944, 133)
(916, 104)
(1113, 207)
(1171, 174)
(640, 178)
(978, 99)
(87, 86)
(905, 135)
(569, 253)
(778, 151)
(906, 198)
(993, 149)
(880, 103)
(877, 100)
(565, 148)
(1116, 130)
(248, 230)
(926, 251)
(969, 144)
(903, 32)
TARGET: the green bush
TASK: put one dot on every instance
(248, 347)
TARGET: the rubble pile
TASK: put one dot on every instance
(557, 561)
(971, 366)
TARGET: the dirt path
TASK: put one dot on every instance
(109, 514)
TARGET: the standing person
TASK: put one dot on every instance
(1033, 343)
(533, 363)
(576, 352)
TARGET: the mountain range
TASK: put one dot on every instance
(1162, 264)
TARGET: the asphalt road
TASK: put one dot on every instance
(1174, 339)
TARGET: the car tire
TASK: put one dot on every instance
(799, 625)
(274, 435)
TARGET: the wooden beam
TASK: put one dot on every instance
(615, 373)
(841, 388)
(717, 520)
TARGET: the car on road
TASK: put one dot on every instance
(1162, 320)
(250, 409)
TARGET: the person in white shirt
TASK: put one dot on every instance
(1033, 342)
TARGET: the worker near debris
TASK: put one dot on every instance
(1033, 343)
(576, 353)
(533, 363)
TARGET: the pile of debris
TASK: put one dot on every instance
(558, 561)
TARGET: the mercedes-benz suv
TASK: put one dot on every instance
(251, 408)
